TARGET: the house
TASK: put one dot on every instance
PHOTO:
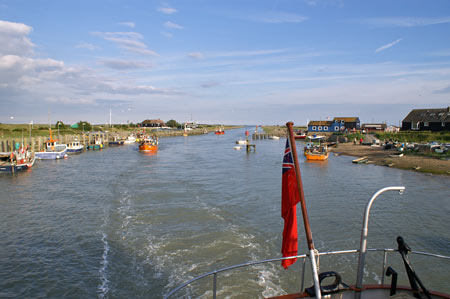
(152, 123)
(427, 120)
(373, 127)
(347, 123)
(320, 126)
(392, 129)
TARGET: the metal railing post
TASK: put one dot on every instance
(363, 241)
(214, 284)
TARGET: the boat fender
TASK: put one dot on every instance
(335, 287)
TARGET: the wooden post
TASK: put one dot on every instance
(3, 146)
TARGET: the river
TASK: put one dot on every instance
(117, 223)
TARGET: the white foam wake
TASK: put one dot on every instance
(103, 287)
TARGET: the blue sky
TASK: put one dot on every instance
(231, 62)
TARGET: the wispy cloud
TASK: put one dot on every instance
(167, 10)
(276, 17)
(130, 41)
(443, 90)
(387, 46)
(127, 24)
(87, 46)
(169, 24)
(404, 21)
(119, 64)
(196, 55)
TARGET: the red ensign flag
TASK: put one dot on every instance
(289, 199)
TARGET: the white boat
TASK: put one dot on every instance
(53, 150)
(75, 147)
(130, 140)
(237, 147)
(329, 284)
(274, 137)
(241, 142)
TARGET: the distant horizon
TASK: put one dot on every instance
(229, 62)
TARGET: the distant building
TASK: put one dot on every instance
(320, 126)
(427, 120)
(348, 123)
(373, 127)
(191, 124)
(152, 123)
(392, 129)
(338, 124)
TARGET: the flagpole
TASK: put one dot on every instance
(304, 211)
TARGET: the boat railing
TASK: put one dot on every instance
(303, 257)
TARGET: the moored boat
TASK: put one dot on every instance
(53, 150)
(300, 136)
(316, 150)
(75, 147)
(149, 144)
(97, 145)
(219, 131)
(18, 160)
(130, 140)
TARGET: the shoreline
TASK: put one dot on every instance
(380, 156)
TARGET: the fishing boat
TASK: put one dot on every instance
(149, 144)
(116, 141)
(301, 135)
(130, 140)
(241, 142)
(330, 284)
(98, 144)
(315, 149)
(75, 147)
(15, 161)
(219, 131)
(53, 150)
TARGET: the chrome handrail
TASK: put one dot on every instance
(303, 256)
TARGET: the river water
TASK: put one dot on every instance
(118, 223)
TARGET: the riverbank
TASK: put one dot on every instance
(380, 156)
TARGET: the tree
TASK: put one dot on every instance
(60, 124)
(84, 125)
(172, 123)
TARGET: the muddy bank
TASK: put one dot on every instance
(380, 156)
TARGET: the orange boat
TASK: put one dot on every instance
(149, 144)
(315, 150)
(316, 154)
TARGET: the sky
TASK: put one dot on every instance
(237, 62)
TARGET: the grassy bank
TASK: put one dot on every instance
(411, 136)
(41, 130)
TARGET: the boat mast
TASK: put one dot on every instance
(309, 238)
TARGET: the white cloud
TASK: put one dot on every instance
(196, 55)
(404, 21)
(127, 24)
(387, 46)
(14, 40)
(130, 41)
(169, 24)
(167, 10)
(87, 46)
